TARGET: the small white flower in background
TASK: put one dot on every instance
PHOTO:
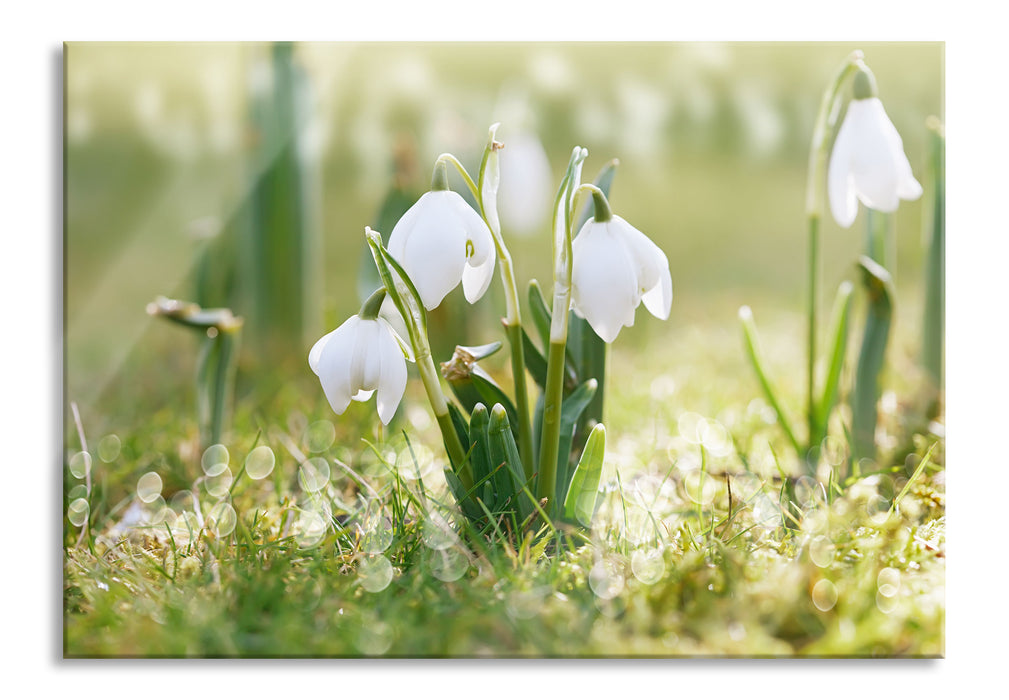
(441, 241)
(868, 163)
(525, 196)
(361, 357)
(615, 267)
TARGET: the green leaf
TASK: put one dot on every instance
(752, 344)
(571, 409)
(396, 203)
(879, 290)
(503, 451)
(536, 364)
(480, 452)
(459, 423)
(540, 312)
(582, 496)
(838, 347)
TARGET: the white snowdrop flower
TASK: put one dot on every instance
(868, 163)
(525, 195)
(441, 241)
(614, 268)
(364, 356)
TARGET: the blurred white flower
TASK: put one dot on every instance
(441, 241)
(526, 192)
(361, 357)
(614, 268)
(868, 164)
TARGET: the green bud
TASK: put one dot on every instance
(864, 84)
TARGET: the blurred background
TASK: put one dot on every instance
(243, 175)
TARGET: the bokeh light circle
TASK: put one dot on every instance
(375, 573)
(320, 435)
(648, 565)
(222, 519)
(215, 459)
(109, 448)
(149, 487)
(260, 462)
(78, 511)
(313, 474)
(80, 465)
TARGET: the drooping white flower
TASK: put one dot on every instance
(441, 241)
(615, 267)
(525, 196)
(361, 357)
(868, 164)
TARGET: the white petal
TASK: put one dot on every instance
(434, 253)
(908, 187)
(476, 229)
(840, 186)
(603, 280)
(401, 231)
(659, 299)
(872, 163)
(333, 363)
(392, 379)
(366, 366)
(654, 280)
(476, 279)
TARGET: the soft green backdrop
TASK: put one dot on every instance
(712, 140)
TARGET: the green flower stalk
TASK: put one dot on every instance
(408, 302)
(553, 392)
(826, 122)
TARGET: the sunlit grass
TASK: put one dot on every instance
(298, 538)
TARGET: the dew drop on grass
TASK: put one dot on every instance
(888, 582)
(149, 487)
(109, 448)
(219, 484)
(222, 519)
(80, 465)
(78, 511)
(648, 565)
(215, 459)
(446, 564)
(824, 595)
(606, 580)
(375, 573)
(260, 462)
(314, 474)
(320, 435)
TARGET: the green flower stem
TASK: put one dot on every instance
(404, 295)
(551, 436)
(826, 122)
(553, 392)
(485, 193)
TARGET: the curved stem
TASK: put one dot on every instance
(825, 122)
